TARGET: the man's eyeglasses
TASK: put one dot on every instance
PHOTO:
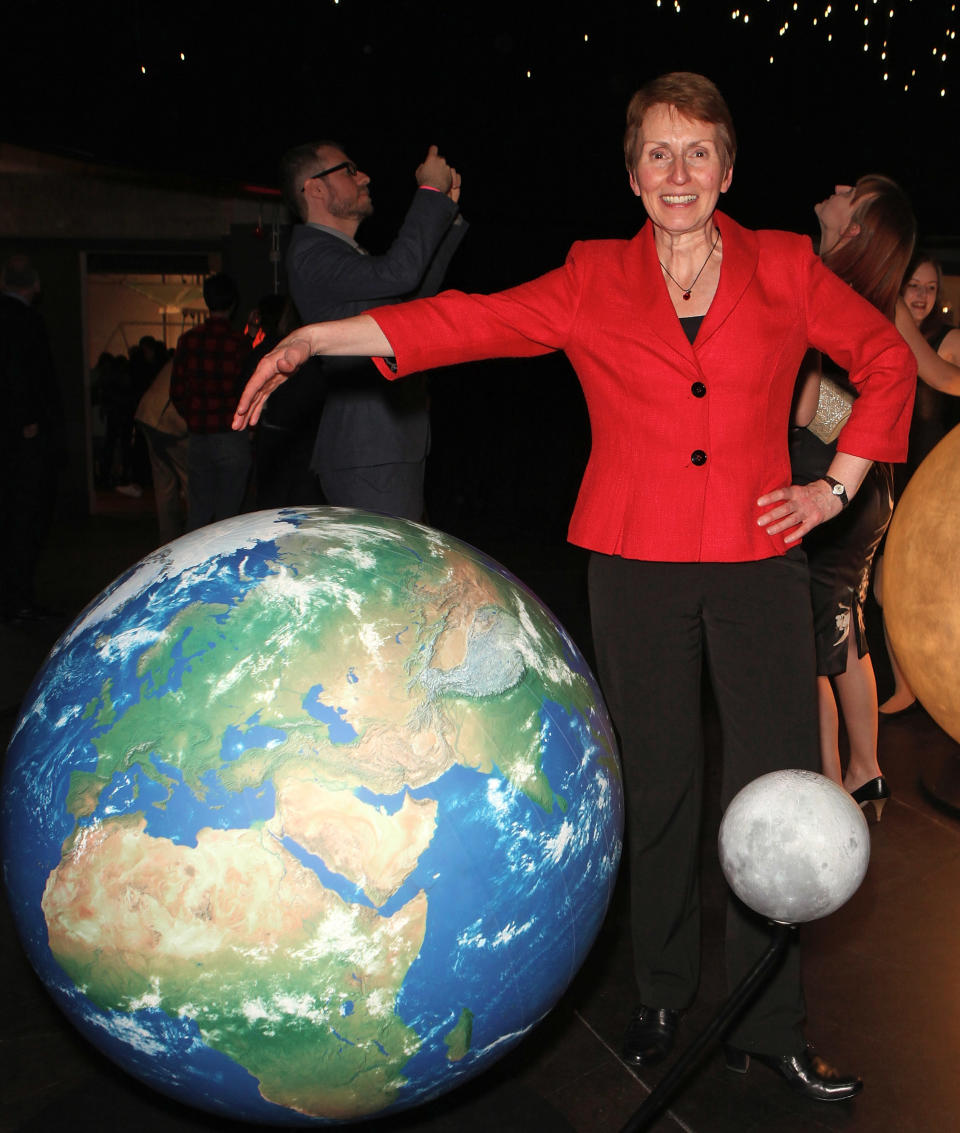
(347, 165)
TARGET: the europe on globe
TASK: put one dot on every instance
(311, 816)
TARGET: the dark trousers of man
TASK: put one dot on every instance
(28, 488)
(218, 467)
(394, 489)
(654, 626)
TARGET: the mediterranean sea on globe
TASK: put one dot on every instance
(310, 816)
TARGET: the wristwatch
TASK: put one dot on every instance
(838, 490)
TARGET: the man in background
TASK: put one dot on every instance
(205, 383)
(373, 438)
(168, 447)
(32, 438)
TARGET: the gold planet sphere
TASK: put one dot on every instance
(921, 583)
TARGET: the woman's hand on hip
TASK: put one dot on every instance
(798, 509)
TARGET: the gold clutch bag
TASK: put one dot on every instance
(833, 409)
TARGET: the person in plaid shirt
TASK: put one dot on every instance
(205, 384)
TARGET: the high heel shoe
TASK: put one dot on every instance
(806, 1073)
(874, 791)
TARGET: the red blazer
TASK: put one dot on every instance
(685, 438)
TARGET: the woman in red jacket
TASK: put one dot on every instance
(687, 340)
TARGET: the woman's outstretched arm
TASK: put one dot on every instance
(934, 370)
(356, 337)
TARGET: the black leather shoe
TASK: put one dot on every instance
(806, 1073)
(650, 1035)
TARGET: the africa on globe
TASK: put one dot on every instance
(310, 816)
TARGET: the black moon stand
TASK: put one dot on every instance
(741, 995)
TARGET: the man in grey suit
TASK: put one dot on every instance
(373, 437)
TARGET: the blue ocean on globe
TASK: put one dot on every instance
(310, 816)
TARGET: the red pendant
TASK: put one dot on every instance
(686, 294)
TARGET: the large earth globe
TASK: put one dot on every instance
(311, 816)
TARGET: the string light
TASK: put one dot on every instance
(873, 17)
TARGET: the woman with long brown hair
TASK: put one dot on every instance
(920, 298)
(920, 293)
(867, 238)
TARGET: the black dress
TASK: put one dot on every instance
(840, 552)
(929, 424)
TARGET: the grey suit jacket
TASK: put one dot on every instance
(367, 421)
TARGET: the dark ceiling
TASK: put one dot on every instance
(388, 77)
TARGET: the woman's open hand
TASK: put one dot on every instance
(801, 507)
(272, 370)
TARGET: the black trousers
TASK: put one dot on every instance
(394, 489)
(656, 626)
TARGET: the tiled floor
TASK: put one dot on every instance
(883, 973)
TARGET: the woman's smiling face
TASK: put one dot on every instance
(920, 291)
(680, 172)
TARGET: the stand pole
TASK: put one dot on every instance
(744, 992)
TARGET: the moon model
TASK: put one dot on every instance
(921, 600)
(794, 846)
